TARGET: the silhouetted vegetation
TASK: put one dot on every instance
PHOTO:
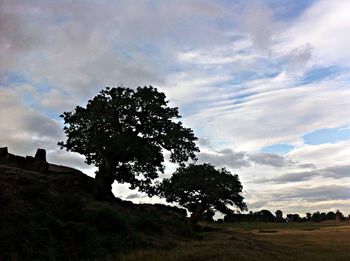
(124, 132)
(202, 188)
(267, 216)
(54, 216)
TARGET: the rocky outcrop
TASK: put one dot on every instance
(37, 163)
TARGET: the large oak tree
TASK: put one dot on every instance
(124, 132)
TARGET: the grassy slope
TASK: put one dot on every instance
(260, 241)
(55, 217)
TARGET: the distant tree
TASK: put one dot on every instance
(124, 132)
(316, 217)
(264, 216)
(293, 218)
(323, 216)
(331, 216)
(339, 215)
(279, 216)
(202, 187)
(308, 216)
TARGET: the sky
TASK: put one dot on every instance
(265, 85)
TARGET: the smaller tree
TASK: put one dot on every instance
(331, 215)
(264, 216)
(293, 218)
(279, 216)
(200, 188)
(308, 216)
(316, 217)
(339, 216)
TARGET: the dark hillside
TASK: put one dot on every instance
(53, 215)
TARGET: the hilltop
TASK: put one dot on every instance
(49, 212)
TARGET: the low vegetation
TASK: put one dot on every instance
(45, 216)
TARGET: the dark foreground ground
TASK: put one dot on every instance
(54, 216)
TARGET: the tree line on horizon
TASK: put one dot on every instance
(266, 216)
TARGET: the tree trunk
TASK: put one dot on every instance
(104, 180)
(196, 214)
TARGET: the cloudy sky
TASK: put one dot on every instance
(265, 85)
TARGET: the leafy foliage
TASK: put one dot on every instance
(124, 131)
(200, 188)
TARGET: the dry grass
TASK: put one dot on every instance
(289, 242)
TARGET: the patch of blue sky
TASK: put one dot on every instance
(14, 78)
(53, 114)
(329, 135)
(289, 9)
(319, 74)
(282, 9)
(277, 148)
(43, 87)
(241, 98)
(239, 78)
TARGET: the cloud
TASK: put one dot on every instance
(320, 193)
(329, 40)
(334, 172)
(270, 159)
(298, 58)
(258, 22)
(291, 177)
(337, 172)
(256, 204)
(134, 196)
(225, 157)
(279, 111)
(324, 155)
(24, 129)
(234, 160)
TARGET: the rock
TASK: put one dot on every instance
(3, 152)
(40, 154)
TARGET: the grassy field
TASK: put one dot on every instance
(260, 241)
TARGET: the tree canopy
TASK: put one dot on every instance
(124, 132)
(200, 188)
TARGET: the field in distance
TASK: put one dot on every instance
(260, 241)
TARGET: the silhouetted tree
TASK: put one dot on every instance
(339, 215)
(294, 218)
(323, 216)
(202, 187)
(308, 216)
(316, 217)
(264, 216)
(331, 215)
(279, 216)
(123, 132)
